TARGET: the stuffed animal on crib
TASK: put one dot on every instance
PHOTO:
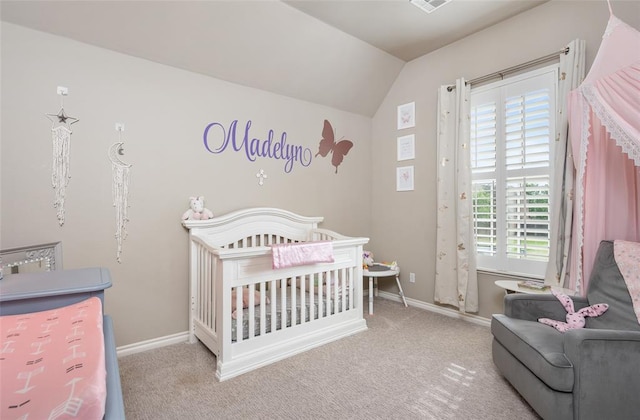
(197, 210)
(367, 259)
(574, 319)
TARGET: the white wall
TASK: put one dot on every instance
(165, 111)
(404, 225)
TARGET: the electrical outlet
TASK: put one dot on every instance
(412, 277)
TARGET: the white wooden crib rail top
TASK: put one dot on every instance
(254, 230)
(236, 226)
(339, 240)
(254, 213)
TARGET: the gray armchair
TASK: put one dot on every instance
(588, 373)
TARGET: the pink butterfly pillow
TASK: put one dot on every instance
(574, 319)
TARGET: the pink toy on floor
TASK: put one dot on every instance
(574, 319)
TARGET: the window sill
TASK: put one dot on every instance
(511, 276)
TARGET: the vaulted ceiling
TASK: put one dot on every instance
(343, 54)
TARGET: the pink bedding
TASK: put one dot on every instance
(53, 363)
(294, 254)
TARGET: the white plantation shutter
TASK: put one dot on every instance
(483, 164)
(485, 221)
(483, 131)
(512, 126)
(527, 218)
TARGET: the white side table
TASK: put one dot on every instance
(511, 286)
(379, 270)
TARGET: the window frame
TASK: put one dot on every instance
(500, 262)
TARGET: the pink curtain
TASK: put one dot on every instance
(604, 127)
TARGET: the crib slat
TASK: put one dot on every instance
(351, 287)
(328, 279)
(210, 281)
(294, 312)
(210, 277)
(195, 300)
(216, 296)
(343, 290)
(263, 308)
(239, 315)
(201, 295)
(283, 303)
(303, 303)
(208, 301)
(274, 304)
(318, 281)
(252, 310)
(312, 314)
(338, 291)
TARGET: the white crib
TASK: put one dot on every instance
(295, 309)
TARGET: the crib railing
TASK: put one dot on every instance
(241, 308)
(288, 302)
(292, 297)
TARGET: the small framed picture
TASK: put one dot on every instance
(404, 178)
(406, 147)
(407, 115)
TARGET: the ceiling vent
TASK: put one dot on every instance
(429, 5)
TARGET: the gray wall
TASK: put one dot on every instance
(165, 111)
(404, 225)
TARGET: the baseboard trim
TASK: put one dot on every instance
(183, 337)
(475, 319)
(154, 343)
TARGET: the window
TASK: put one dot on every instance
(512, 132)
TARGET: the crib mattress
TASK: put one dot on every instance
(328, 306)
(53, 363)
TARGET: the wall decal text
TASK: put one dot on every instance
(217, 139)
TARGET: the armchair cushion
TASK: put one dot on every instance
(536, 346)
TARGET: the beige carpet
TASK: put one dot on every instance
(409, 364)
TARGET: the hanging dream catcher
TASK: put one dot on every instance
(61, 136)
(120, 188)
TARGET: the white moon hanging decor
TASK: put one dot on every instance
(120, 189)
(61, 136)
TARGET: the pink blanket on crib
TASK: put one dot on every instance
(303, 253)
(53, 363)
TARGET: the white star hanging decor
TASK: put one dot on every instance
(61, 136)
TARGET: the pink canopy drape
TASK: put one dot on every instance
(604, 128)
